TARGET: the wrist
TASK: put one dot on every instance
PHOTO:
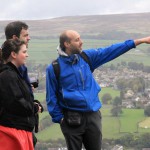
(140, 41)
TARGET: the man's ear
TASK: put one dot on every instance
(66, 44)
(14, 37)
(13, 54)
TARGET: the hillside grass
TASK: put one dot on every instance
(110, 125)
(40, 96)
(43, 115)
(109, 90)
(51, 133)
(130, 119)
(145, 123)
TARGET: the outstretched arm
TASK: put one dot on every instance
(142, 40)
(100, 56)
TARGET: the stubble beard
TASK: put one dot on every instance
(77, 51)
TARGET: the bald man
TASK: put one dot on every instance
(72, 98)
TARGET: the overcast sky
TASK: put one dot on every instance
(45, 9)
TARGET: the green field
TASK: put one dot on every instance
(111, 91)
(130, 119)
(43, 115)
(51, 133)
(145, 123)
(40, 96)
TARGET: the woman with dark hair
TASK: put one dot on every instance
(17, 108)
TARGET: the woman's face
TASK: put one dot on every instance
(21, 56)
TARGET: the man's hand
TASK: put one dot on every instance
(142, 40)
(39, 107)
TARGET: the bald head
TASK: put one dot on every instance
(70, 42)
(67, 36)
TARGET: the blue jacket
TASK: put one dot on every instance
(78, 90)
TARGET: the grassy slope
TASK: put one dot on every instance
(111, 91)
(40, 96)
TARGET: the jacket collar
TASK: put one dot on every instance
(60, 51)
(13, 67)
(70, 59)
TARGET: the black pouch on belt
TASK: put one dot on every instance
(73, 118)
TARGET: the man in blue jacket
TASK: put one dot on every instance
(72, 98)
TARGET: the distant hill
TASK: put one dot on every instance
(118, 26)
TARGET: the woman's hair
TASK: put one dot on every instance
(8, 47)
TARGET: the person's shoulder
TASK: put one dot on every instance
(22, 68)
(91, 50)
(49, 67)
(7, 74)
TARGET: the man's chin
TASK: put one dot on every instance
(24, 63)
(80, 50)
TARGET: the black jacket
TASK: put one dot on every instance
(16, 102)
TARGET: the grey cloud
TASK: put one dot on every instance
(42, 9)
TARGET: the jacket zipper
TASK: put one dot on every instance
(82, 79)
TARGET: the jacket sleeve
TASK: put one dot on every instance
(100, 56)
(12, 96)
(51, 98)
